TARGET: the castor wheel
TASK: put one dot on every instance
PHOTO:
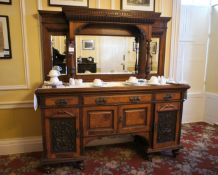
(175, 152)
(46, 169)
(148, 158)
(78, 165)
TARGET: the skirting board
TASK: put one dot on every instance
(211, 109)
(16, 104)
(34, 144)
(20, 145)
(194, 108)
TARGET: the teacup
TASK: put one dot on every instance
(132, 79)
(153, 80)
(71, 81)
(78, 82)
(163, 80)
(53, 73)
(97, 82)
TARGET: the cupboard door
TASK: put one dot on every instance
(134, 118)
(100, 120)
(166, 125)
(62, 133)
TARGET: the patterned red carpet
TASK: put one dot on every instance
(199, 157)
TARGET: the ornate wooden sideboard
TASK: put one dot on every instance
(72, 117)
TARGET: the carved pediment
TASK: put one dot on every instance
(115, 16)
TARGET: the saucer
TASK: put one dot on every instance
(155, 84)
(53, 83)
(131, 83)
(99, 85)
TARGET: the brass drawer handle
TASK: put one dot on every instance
(167, 97)
(100, 101)
(135, 99)
(61, 102)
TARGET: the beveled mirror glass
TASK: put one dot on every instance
(154, 51)
(106, 55)
(58, 53)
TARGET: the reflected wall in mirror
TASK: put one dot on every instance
(58, 53)
(110, 55)
(154, 51)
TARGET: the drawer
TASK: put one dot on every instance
(168, 96)
(117, 99)
(101, 120)
(61, 101)
(61, 113)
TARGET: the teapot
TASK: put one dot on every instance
(53, 73)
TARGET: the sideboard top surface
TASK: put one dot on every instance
(168, 87)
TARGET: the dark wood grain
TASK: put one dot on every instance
(113, 111)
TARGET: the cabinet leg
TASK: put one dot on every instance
(148, 157)
(46, 169)
(175, 152)
(142, 145)
(78, 165)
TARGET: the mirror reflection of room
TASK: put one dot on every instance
(154, 51)
(58, 53)
(106, 54)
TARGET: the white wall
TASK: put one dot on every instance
(212, 71)
(190, 58)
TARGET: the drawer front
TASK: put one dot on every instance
(134, 118)
(167, 124)
(61, 113)
(117, 99)
(168, 96)
(61, 132)
(61, 101)
(100, 120)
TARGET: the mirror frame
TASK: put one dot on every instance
(159, 30)
(74, 20)
(104, 29)
(52, 23)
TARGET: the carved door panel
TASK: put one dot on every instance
(134, 118)
(62, 133)
(166, 125)
(101, 120)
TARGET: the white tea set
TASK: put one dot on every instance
(75, 82)
(54, 81)
(160, 80)
(132, 80)
(79, 82)
(154, 80)
(98, 82)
